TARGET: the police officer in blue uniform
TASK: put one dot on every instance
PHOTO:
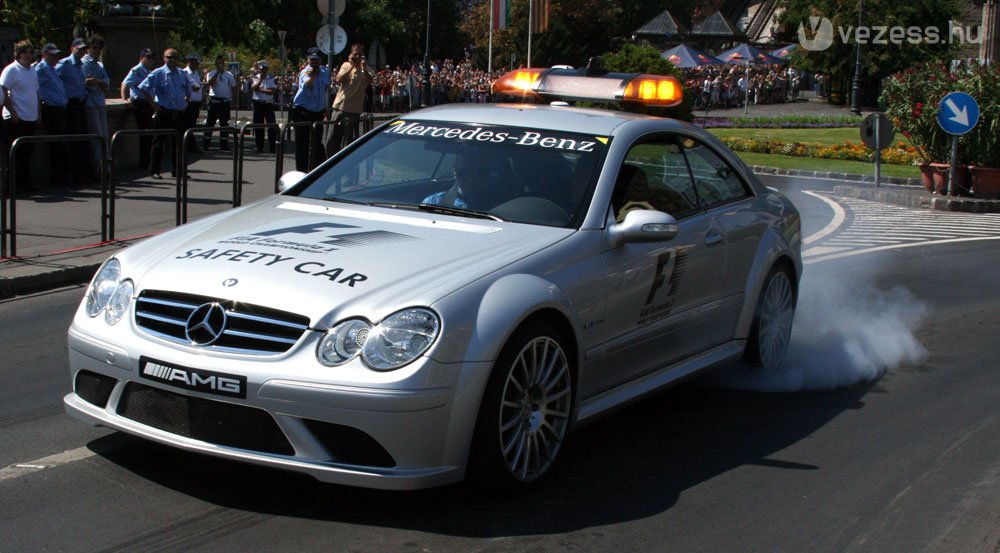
(53, 109)
(70, 70)
(309, 105)
(142, 110)
(167, 89)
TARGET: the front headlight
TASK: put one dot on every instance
(396, 341)
(119, 302)
(400, 338)
(103, 286)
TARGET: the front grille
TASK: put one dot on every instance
(349, 445)
(249, 329)
(94, 388)
(210, 421)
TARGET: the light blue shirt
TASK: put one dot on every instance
(312, 98)
(169, 88)
(95, 94)
(71, 72)
(438, 199)
(50, 86)
(135, 76)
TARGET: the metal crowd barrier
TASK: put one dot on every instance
(8, 169)
(279, 152)
(112, 197)
(182, 174)
(8, 214)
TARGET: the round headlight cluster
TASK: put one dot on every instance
(109, 294)
(396, 341)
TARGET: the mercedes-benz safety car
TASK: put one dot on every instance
(450, 295)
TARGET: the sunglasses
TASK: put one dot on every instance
(173, 57)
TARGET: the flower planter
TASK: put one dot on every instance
(985, 182)
(934, 177)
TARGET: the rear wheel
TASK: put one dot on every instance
(771, 330)
(525, 411)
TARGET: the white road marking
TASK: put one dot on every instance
(897, 247)
(838, 219)
(18, 470)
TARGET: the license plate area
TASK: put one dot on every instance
(198, 380)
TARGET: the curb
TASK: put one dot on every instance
(763, 170)
(47, 280)
(921, 199)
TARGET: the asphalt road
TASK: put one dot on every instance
(885, 437)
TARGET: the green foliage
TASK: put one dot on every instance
(880, 60)
(642, 58)
(912, 98)
(53, 21)
(793, 121)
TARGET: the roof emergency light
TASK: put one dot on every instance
(590, 86)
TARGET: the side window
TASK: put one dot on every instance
(716, 181)
(654, 176)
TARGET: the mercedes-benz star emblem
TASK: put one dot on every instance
(206, 324)
(229, 282)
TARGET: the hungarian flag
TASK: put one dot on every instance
(539, 16)
(501, 14)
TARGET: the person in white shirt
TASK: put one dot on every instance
(20, 107)
(190, 116)
(221, 85)
(263, 89)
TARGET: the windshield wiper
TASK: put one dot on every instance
(342, 200)
(449, 210)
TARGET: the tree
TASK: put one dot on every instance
(879, 60)
(55, 21)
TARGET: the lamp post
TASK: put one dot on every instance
(425, 72)
(856, 89)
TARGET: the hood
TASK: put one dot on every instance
(327, 260)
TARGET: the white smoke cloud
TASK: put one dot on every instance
(846, 330)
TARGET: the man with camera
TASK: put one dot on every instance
(308, 106)
(353, 77)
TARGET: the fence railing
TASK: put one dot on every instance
(108, 173)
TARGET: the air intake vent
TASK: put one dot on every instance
(210, 421)
(247, 328)
(94, 388)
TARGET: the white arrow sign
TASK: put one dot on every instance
(961, 116)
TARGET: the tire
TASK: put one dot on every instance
(770, 332)
(525, 412)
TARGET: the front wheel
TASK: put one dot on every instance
(771, 330)
(525, 410)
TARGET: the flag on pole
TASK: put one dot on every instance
(501, 14)
(540, 16)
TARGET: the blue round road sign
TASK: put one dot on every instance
(958, 113)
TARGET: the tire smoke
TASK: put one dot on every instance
(846, 331)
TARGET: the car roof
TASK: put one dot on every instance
(539, 116)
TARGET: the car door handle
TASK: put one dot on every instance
(713, 238)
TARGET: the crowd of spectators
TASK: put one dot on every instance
(726, 86)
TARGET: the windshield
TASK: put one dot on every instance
(505, 173)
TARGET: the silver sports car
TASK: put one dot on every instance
(448, 296)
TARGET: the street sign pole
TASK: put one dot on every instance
(957, 114)
(282, 75)
(951, 166)
(878, 151)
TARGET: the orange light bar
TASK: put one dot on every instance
(653, 90)
(520, 82)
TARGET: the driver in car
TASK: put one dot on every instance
(482, 181)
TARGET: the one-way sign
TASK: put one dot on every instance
(958, 113)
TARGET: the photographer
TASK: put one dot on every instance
(311, 97)
(352, 79)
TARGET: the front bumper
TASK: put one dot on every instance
(424, 432)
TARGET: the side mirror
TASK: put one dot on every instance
(644, 225)
(289, 180)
